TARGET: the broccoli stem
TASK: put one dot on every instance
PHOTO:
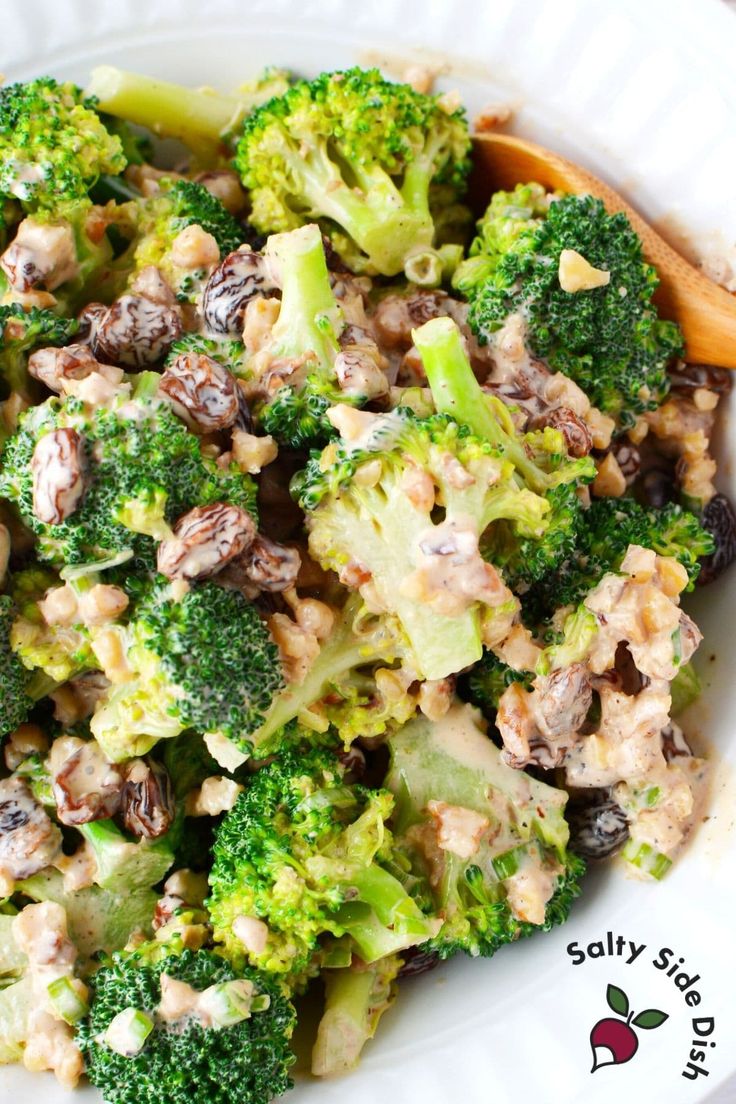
(383, 919)
(309, 319)
(338, 656)
(355, 1000)
(165, 108)
(457, 392)
(124, 866)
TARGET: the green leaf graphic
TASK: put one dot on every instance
(617, 1000)
(651, 1017)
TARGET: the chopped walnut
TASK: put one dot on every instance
(216, 795)
(194, 248)
(252, 453)
(59, 606)
(58, 468)
(205, 540)
(459, 830)
(610, 481)
(40, 253)
(52, 366)
(101, 604)
(225, 185)
(150, 283)
(298, 647)
(435, 697)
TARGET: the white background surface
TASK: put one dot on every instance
(644, 93)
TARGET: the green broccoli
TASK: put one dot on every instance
(53, 149)
(340, 687)
(478, 479)
(154, 222)
(605, 531)
(509, 223)
(15, 700)
(361, 156)
(305, 852)
(227, 351)
(505, 871)
(145, 469)
(204, 661)
(235, 1046)
(22, 332)
(373, 522)
(201, 118)
(608, 339)
(355, 999)
(308, 328)
(53, 146)
(487, 681)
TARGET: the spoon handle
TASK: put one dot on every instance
(706, 312)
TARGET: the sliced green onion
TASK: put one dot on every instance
(505, 865)
(127, 1032)
(230, 1002)
(66, 1001)
(645, 858)
(652, 795)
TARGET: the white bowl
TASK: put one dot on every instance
(645, 95)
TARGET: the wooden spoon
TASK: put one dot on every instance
(705, 311)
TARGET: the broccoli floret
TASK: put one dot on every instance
(203, 661)
(227, 351)
(509, 223)
(504, 824)
(524, 560)
(479, 478)
(143, 468)
(22, 332)
(154, 222)
(340, 687)
(488, 680)
(53, 146)
(604, 533)
(360, 155)
(306, 331)
(238, 1050)
(15, 701)
(608, 339)
(200, 117)
(304, 851)
(355, 1000)
(375, 523)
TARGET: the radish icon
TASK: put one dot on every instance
(614, 1042)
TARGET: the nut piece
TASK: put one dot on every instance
(225, 186)
(216, 795)
(29, 841)
(194, 248)
(204, 540)
(201, 392)
(135, 331)
(148, 805)
(239, 278)
(53, 366)
(577, 274)
(58, 475)
(41, 253)
(610, 481)
(252, 453)
(86, 784)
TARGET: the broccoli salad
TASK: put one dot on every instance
(343, 548)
